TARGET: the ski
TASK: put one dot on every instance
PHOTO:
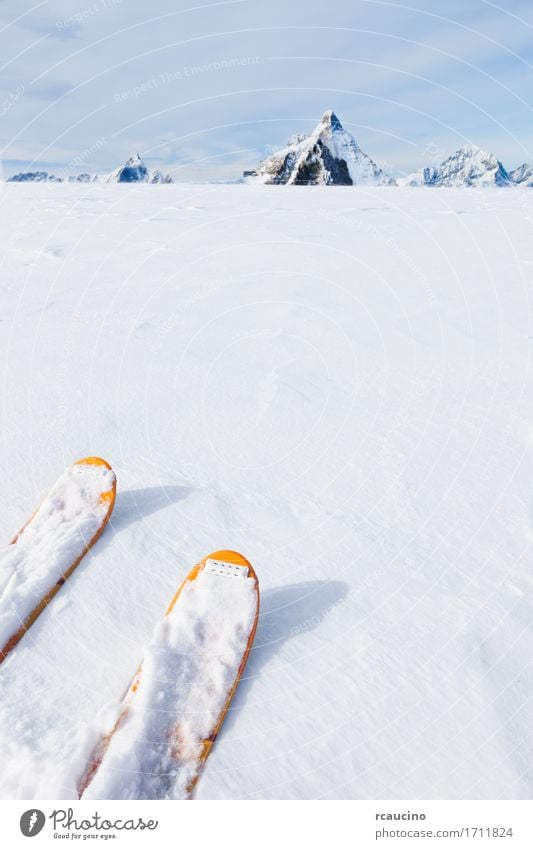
(50, 545)
(177, 701)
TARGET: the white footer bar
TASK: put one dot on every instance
(270, 825)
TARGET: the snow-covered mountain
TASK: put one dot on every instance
(523, 175)
(45, 177)
(469, 166)
(135, 171)
(34, 177)
(328, 156)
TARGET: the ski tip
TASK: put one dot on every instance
(226, 556)
(107, 497)
(233, 557)
(93, 461)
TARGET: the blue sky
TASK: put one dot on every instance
(204, 90)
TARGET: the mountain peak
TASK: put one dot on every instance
(468, 166)
(523, 175)
(470, 149)
(135, 171)
(329, 119)
(473, 151)
(329, 156)
(134, 161)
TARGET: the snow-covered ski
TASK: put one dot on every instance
(51, 544)
(180, 694)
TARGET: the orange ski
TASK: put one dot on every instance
(50, 545)
(177, 701)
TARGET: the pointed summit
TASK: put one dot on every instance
(135, 171)
(135, 161)
(329, 156)
(329, 119)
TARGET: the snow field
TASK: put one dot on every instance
(335, 382)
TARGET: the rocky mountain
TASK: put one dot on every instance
(34, 177)
(81, 178)
(45, 177)
(157, 176)
(329, 156)
(133, 171)
(469, 166)
(523, 175)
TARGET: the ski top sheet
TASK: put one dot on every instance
(50, 545)
(178, 699)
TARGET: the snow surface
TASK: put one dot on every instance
(334, 381)
(188, 671)
(63, 526)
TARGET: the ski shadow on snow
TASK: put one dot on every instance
(285, 613)
(134, 505)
